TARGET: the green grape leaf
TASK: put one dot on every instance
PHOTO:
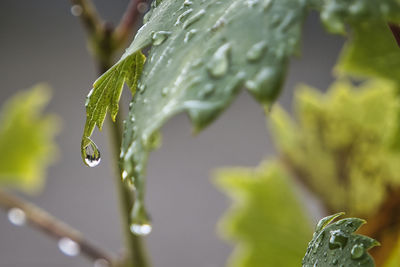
(340, 145)
(105, 96)
(371, 52)
(202, 53)
(26, 139)
(267, 222)
(335, 244)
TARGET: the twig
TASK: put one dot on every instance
(89, 16)
(396, 32)
(129, 20)
(51, 226)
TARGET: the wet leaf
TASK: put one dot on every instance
(105, 96)
(267, 221)
(335, 244)
(202, 53)
(26, 139)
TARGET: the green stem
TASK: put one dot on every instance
(104, 42)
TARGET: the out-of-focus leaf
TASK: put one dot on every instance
(340, 147)
(371, 52)
(267, 221)
(335, 244)
(26, 139)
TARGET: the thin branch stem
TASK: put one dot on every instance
(129, 20)
(89, 16)
(395, 28)
(51, 226)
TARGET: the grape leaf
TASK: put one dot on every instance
(267, 222)
(336, 244)
(26, 139)
(202, 53)
(106, 93)
(340, 145)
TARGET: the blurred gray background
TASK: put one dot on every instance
(42, 41)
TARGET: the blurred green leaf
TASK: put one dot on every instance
(267, 222)
(26, 139)
(336, 244)
(340, 146)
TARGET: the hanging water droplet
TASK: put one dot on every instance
(338, 239)
(189, 35)
(16, 216)
(101, 263)
(92, 155)
(69, 247)
(140, 222)
(76, 10)
(194, 18)
(357, 251)
(141, 229)
(255, 52)
(159, 37)
(183, 16)
(219, 63)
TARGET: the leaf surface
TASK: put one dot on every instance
(335, 244)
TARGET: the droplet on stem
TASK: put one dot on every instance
(16, 216)
(69, 247)
(140, 221)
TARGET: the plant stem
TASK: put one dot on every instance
(51, 226)
(104, 42)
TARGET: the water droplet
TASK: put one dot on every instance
(194, 18)
(252, 3)
(69, 247)
(219, 63)
(183, 16)
(159, 37)
(88, 97)
(266, 5)
(325, 254)
(142, 7)
(255, 52)
(124, 175)
(16, 216)
(338, 239)
(145, 101)
(219, 24)
(92, 155)
(164, 91)
(189, 35)
(357, 251)
(141, 88)
(207, 91)
(101, 263)
(335, 261)
(140, 222)
(76, 10)
(141, 229)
